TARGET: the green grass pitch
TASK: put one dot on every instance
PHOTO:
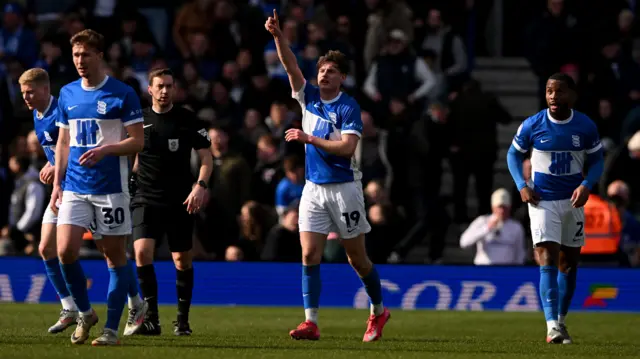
(241, 332)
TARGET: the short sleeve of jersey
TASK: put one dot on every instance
(131, 111)
(306, 94)
(522, 139)
(351, 120)
(593, 144)
(61, 120)
(201, 137)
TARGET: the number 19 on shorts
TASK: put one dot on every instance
(352, 219)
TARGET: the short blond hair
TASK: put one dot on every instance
(35, 76)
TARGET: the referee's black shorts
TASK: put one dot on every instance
(156, 222)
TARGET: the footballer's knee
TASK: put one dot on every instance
(114, 250)
(311, 256)
(357, 254)
(47, 251)
(312, 247)
(568, 259)
(144, 251)
(47, 246)
(547, 253)
(182, 260)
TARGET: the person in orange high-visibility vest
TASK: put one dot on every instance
(602, 227)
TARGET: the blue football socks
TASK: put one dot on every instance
(117, 295)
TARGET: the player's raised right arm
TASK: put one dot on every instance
(287, 57)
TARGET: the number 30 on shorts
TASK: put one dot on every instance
(351, 217)
(111, 215)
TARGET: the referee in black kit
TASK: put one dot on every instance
(167, 196)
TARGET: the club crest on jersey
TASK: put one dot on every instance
(102, 107)
(47, 136)
(173, 145)
(575, 139)
(333, 117)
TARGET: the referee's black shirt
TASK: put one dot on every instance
(164, 165)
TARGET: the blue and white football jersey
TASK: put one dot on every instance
(328, 120)
(47, 130)
(559, 151)
(97, 116)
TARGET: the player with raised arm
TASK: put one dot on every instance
(332, 199)
(35, 88)
(95, 114)
(564, 145)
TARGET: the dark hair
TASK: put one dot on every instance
(292, 163)
(337, 58)
(159, 72)
(568, 80)
(89, 38)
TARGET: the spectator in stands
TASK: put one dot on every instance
(553, 32)
(387, 227)
(417, 159)
(228, 113)
(27, 204)
(371, 153)
(254, 127)
(60, 69)
(229, 188)
(618, 193)
(279, 119)
(255, 221)
(15, 38)
(384, 16)
(268, 171)
(609, 122)
(231, 73)
(38, 158)
(624, 164)
(197, 88)
(398, 73)
(194, 16)
(617, 75)
(451, 55)
(283, 241)
(201, 54)
(474, 118)
(498, 239)
(289, 190)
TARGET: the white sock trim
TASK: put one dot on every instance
(69, 304)
(134, 301)
(311, 314)
(376, 309)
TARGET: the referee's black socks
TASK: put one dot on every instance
(184, 288)
(149, 288)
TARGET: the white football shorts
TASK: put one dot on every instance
(557, 221)
(105, 214)
(49, 216)
(334, 207)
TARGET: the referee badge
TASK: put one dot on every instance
(173, 145)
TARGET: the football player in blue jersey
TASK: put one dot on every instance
(95, 115)
(566, 162)
(35, 88)
(332, 199)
